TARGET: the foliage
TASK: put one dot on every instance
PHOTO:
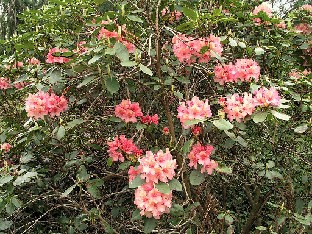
(84, 170)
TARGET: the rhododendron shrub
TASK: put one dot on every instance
(150, 116)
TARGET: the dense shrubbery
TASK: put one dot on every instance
(174, 116)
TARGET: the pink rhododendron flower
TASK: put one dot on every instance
(57, 59)
(20, 85)
(6, 147)
(33, 61)
(166, 131)
(306, 7)
(281, 25)
(128, 111)
(150, 119)
(157, 167)
(120, 147)
(267, 97)
(194, 109)
(151, 202)
(40, 104)
(106, 34)
(196, 130)
(80, 48)
(5, 83)
(238, 107)
(242, 70)
(201, 155)
(189, 49)
(298, 74)
(133, 172)
(264, 7)
(303, 28)
(56, 104)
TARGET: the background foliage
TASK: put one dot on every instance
(58, 178)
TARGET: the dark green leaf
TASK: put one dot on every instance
(163, 187)
(136, 182)
(112, 84)
(149, 225)
(196, 178)
(222, 124)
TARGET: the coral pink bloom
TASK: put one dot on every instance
(57, 59)
(121, 146)
(306, 7)
(80, 48)
(176, 14)
(151, 202)
(150, 119)
(189, 49)
(264, 7)
(128, 111)
(166, 131)
(238, 107)
(267, 97)
(6, 147)
(20, 85)
(303, 28)
(242, 70)
(157, 167)
(40, 104)
(194, 109)
(33, 61)
(201, 155)
(56, 104)
(5, 83)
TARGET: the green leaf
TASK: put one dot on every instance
(5, 179)
(136, 182)
(24, 178)
(94, 59)
(187, 145)
(222, 124)
(175, 184)
(136, 215)
(224, 169)
(60, 133)
(259, 117)
(163, 187)
(135, 18)
(242, 44)
(68, 191)
(149, 225)
(16, 202)
(178, 94)
(301, 129)
(82, 174)
(124, 165)
(146, 70)
(193, 122)
(233, 42)
(26, 158)
(196, 178)
(112, 84)
(259, 51)
(128, 64)
(304, 46)
(176, 210)
(86, 81)
(94, 191)
(121, 52)
(74, 123)
(4, 224)
(280, 115)
(190, 13)
(241, 141)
